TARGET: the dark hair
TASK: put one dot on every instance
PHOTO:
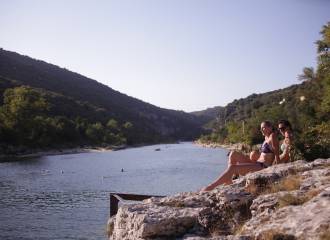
(270, 123)
(286, 123)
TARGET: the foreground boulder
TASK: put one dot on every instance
(288, 201)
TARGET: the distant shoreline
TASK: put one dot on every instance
(90, 149)
(53, 152)
(230, 147)
(76, 150)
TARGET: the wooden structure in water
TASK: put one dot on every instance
(115, 198)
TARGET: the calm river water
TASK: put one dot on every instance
(75, 204)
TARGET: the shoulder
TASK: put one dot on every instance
(273, 137)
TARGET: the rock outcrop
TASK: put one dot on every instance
(247, 209)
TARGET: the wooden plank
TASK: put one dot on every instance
(113, 205)
(136, 197)
(116, 197)
(120, 199)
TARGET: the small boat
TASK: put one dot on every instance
(157, 149)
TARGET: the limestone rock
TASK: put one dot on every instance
(224, 211)
(139, 221)
(304, 222)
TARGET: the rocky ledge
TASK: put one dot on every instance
(288, 201)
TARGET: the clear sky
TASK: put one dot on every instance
(178, 54)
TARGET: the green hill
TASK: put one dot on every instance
(251, 106)
(72, 95)
(211, 112)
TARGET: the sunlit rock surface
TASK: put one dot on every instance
(233, 212)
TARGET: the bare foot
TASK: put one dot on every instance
(208, 188)
(227, 183)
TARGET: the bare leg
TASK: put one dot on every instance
(255, 155)
(237, 158)
(227, 175)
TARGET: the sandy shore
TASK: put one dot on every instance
(50, 152)
(65, 151)
(229, 147)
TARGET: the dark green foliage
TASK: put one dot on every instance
(72, 95)
(23, 121)
(313, 144)
(22, 113)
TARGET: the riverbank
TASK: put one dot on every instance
(18, 153)
(229, 147)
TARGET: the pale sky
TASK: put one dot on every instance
(178, 54)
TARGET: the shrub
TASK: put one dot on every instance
(314, 144)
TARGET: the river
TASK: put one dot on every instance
(36, 204)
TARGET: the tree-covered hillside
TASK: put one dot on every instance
(73, 91)
(287, 99)
(211, 112)
(305, 105)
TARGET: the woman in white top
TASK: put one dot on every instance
(284, 127)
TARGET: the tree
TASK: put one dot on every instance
(112, 125)
(323, 59)
(128, 125)
(81, 125)
(23, 111)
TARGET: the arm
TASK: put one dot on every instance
(275, 142)
(288, 138)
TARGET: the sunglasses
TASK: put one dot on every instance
(281, 129)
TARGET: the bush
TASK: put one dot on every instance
(314, 144)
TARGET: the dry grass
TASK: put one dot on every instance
(274, 235)
(289, 199)
(109, 230)
(312, 194)
(257, 187)
(239, 227)
(176, 204)
(216, 231)
(287, 184)
(265, 219)
(325, 234)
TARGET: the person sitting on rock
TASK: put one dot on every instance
(268, 151)
(284, 127)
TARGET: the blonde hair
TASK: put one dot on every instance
(270, 123)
